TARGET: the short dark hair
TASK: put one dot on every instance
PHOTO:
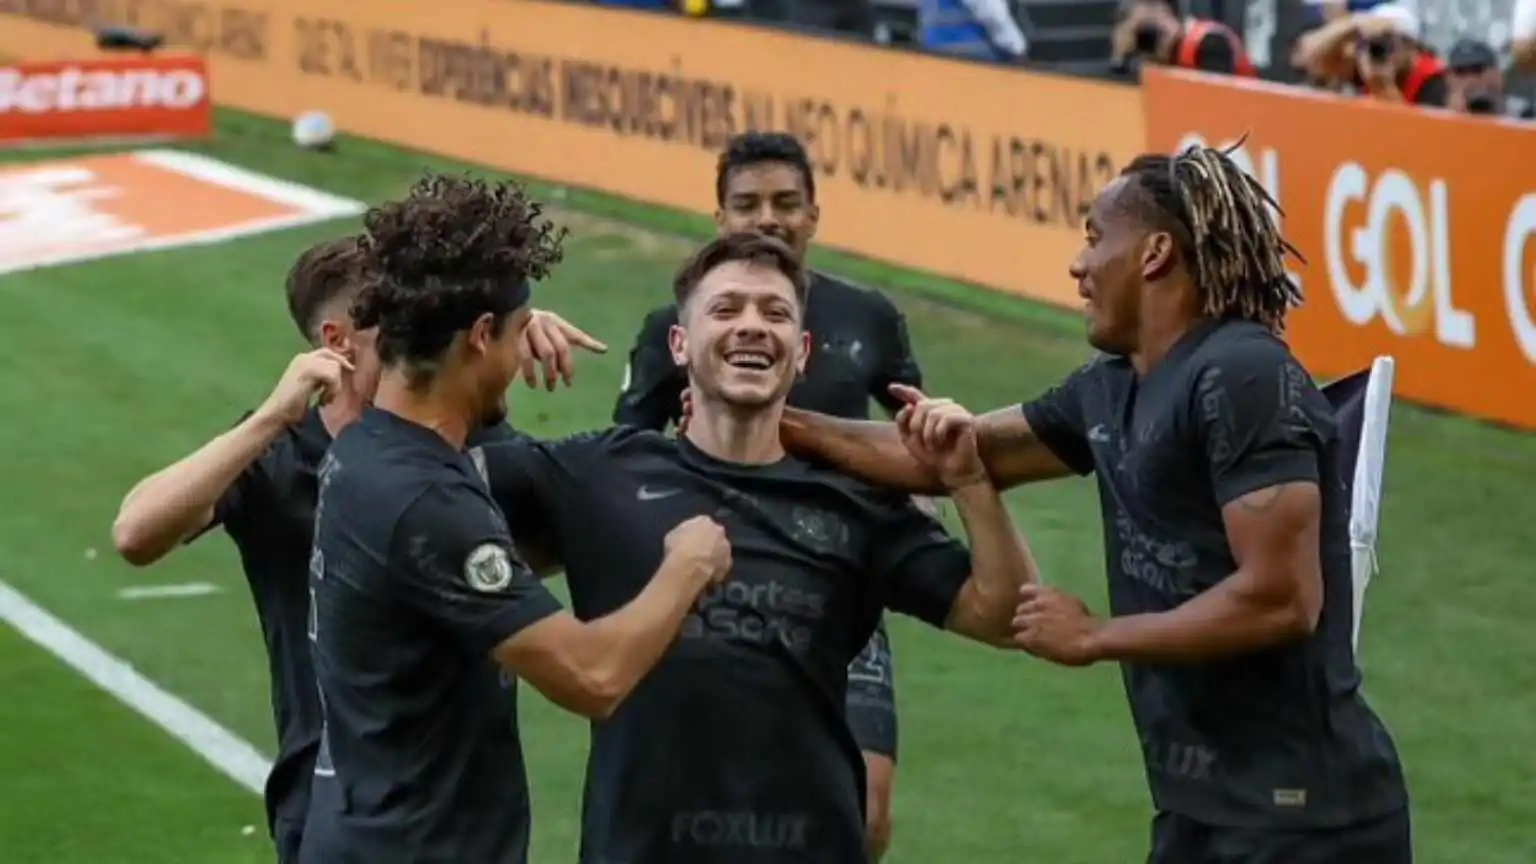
(755, 148)
(454, 249)
(748, 247)
(1225, 232)
(323, 273)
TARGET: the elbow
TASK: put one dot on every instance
(988, 621)
(133, 544)
(1294, 617)
(1306, 612)
(601, 695)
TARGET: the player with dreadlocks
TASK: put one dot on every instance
(1225, 526)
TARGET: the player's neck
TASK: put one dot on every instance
(432, 407)
(731, 435)
(1160, 331)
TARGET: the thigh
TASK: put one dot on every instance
(871, 706)
(1384, 840)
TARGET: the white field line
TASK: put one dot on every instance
(224, 750)
(158, 592)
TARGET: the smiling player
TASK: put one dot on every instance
(1225, 527)
(736, 748)
(764, 183)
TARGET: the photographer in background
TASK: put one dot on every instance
(1377, 52)
(1477, 82)
(1151, 31)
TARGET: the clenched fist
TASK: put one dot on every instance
(701, 543)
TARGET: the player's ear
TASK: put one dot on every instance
(677, 343)
(720, 221)
(812, 220)
(803, 354)
(1157, 255)
(334, 335)
(481, 332)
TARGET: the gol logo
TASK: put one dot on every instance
(1401, 244)
(1520, 277)
(1398, 241)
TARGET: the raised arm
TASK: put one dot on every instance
(872, 450)
(977, 591)
(1042, 440)
(1324, 52)
(185, 498)
(651, 395)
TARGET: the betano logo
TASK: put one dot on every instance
(112, 98)
(75, 89)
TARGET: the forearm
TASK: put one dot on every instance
(1001, 563)
(1390, 93)
(1320, 52)
(1221, 622)
(169, 505)
(620, 648)
(869, 450)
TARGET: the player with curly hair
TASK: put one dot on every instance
(414, 580)
(258, 482)
(1226, 513)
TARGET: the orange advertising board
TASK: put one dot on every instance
(982, 174)
(104, 98)
(1419, 228)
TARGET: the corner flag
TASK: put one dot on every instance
(1362, 403)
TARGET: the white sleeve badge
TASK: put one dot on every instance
(488, 568)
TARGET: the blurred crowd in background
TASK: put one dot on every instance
(1474, 56)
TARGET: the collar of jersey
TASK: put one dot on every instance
(788, 466)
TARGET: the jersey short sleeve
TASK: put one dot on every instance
(898, 365)
(454, 563)
(233, 503)
(652, 393)
(1257, 416)
(531, 480)
(921, 566)
(1057, 418)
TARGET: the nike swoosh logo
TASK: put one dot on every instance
(650, 493)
